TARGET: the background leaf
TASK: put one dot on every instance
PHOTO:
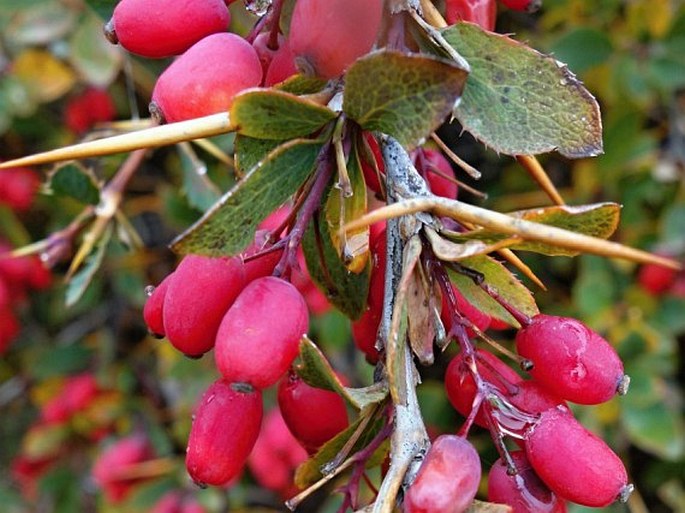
(229, 226)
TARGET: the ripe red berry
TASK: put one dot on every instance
(574, 463)
(162, 28)
(199, 294)
(656, 279)
(275, 456)
(369, 168)
(259, 336)
(153, 311)
(478, 318)
(9, 328)
(461, 387)
(302, 406)
(448, 479)
(481, 12)
(282, 65)
(531, 397)
(523, 5)
(112, 467)
(523, 491)
(88, 108)
(327, 37)
(225, 427)
(439, 174)
(18, 186)
(205, 79)
(570, 359)
(77, 394)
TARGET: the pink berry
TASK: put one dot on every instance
(205, 79)
(371, 170)
(461, 387)
(197, 298)
(523, 5)
(88, 108)
(570, 359)
(225, 427)
(481, 12)
(523, 491)
(574, 463)
(18, 186)
(478, 318)
(112, 467)
(153, 311)
(162, 28)
(259, 336)
(275, 456)
(302, 406)
(439, 174)
(448, 479)
(9, 328)
(656, 279)
(327, 37)
(282, 65)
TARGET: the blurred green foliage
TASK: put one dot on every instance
(629, 53)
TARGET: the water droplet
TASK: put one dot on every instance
(149, 290)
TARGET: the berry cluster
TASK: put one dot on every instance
(560, 460)
(231, 305)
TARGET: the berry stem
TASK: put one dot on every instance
(311, 204)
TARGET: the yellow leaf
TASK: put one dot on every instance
(46, 77)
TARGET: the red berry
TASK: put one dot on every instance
(18, 186)
(264, 52)
(369, 168)
(461, 387)
(523, 5)
(205, 79)
(259, 336)
(9, 328)
(282, 65)
(170, 502)
(112, 467)
(481, 12)
(656, 279)
(225, 427)
(524, 491)
(465, 308)
(364, 333)
(574, 463)
(302, 406)
(88, 108)
(161, 28)
(77, 393)
(327, 37)
(438, 172)
(153, 311)
(275, 456)
(570, 359)
(197, 298)
(448, 479)
(531, 397)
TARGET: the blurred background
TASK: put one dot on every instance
(61, 82)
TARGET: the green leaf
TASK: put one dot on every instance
(75, 181)
(502, 280)
(583, 48)
(344, 289)
(229, 226)
(274, 114)
(249, 151)
(103, 8)
(97, 60)
(521, 102)
(315, 370)
(406, 96)
(597, 220)
(310, 471)
(302, 84)
(80, 281)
